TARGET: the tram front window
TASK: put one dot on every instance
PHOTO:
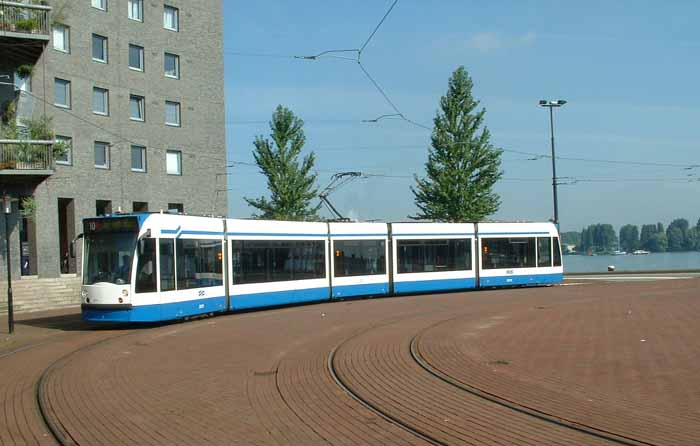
(108, 258)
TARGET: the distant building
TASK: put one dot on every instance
(135, 93)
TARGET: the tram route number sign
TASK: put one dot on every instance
(103, 225)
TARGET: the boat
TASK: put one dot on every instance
(640, 252)
(619, 253)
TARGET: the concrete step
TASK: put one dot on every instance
(35, 294)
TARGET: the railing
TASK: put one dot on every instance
(26, 155)
(20, 18)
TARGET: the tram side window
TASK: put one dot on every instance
(146, 266)
(544, 252)
(557, 252)
(359, 257)
(260, 261)
(199, 263)
(501, 253)
(425, 256)
(167, 264)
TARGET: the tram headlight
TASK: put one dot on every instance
(125, 293)
(83, 294)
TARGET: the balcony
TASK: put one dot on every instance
(24, 30)
(24, 21)
(25, 158)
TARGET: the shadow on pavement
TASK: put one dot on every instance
(74, 322)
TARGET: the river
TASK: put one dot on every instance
(654, 261)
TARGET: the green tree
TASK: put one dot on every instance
(629, 238)
(647, 233)
(586, 240)
(571, 238)
(658, 242)
(677, 233)
(291, 184)
(693, 240)
(676, 239)
(462, 165)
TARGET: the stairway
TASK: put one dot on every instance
(32, 294)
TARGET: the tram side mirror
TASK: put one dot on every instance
(72, 245)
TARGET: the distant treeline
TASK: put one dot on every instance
(601, 238)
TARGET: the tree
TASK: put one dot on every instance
(629, 238)
(462, 165)
(693, 240)
(677, 233)
(676, 240)
(648, 232)
(658, 242)
(291, 185)
(571, 238)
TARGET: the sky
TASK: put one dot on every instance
(628, 69)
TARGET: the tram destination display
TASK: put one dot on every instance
(105, 225)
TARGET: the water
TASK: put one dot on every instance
(654, 261)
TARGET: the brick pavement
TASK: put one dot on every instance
(263, 377)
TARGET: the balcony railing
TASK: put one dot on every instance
(24, 20)
(25, 155)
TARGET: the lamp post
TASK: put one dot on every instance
(551, 105)
(7, 210)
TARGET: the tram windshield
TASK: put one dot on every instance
(109, 250)
(108, 258)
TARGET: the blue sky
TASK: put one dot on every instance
(629, 70)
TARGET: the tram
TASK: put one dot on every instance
(151, 267)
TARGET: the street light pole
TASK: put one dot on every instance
(551, 105)
(7, 210)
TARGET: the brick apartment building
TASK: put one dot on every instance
(134, 94)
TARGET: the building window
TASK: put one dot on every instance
(140, 206)
(100, 101)
(138, 107)
(172, 66)
(103, 207)
(99, 48)
(176, 207)
(66, 158)
(136, 57)
(138, 158)
(61, 38)
(173, 162)
(62, 93)
(100, 4)
(171, 18)
(136, 10)
(172, 113)
(101, 155)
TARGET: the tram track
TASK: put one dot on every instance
(57, 430)
(513, 405)
(385, 415)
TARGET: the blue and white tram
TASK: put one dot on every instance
(157, 267)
